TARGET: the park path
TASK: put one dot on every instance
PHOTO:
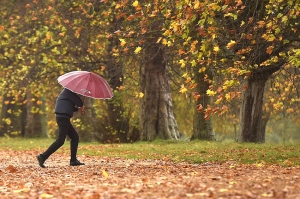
(116, 178)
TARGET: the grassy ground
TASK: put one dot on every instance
(178, 151)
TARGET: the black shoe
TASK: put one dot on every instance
(41, 161)
(76, 163)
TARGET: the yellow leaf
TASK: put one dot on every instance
(223, 190)
(278, 106)
(137, 50)
(135, 3)
(196, 5)
(269, 37)
(141, 95)
(215, 6)
(216, 48)
(45, 195)
(284, 19)
(268, 195)
(123, 42)
(230, 44)
(227, 96)
(194, 63)
(210, 92)
(7, 121)
(169, 43)
(105, 174)
(182, 62)
(218, 100)
(182, 89)
(243, 23)
(159, 39)
(203, 69)
(185, 75)
(165, 42)
(21, 190)
(260, 165)
(269, 25)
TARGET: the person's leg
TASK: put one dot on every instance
(63, 127)
(74, 146)
(73, 135)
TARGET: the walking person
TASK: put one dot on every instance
(66, 103)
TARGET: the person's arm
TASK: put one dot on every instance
(75, 99)
(78, 103)
(81, 109)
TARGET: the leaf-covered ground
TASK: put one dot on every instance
(116, 178)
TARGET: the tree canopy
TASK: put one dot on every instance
(221, 54)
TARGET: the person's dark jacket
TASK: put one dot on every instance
(67, 103)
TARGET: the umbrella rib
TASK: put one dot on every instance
(106, 90)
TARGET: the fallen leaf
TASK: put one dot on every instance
(11, 169)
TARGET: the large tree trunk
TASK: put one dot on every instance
(251, 111)
(156, 112)
(251, 124)
(202, 128)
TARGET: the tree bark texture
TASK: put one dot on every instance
(202, 128)
(264, 121)
(156, 112)
(251, 111)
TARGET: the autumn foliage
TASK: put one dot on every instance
(237, 61)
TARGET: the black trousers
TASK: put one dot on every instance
(65, 129)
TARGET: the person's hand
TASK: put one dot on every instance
(81, 109)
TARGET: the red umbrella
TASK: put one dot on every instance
(87, 84)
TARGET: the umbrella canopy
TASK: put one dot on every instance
(87, 84)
